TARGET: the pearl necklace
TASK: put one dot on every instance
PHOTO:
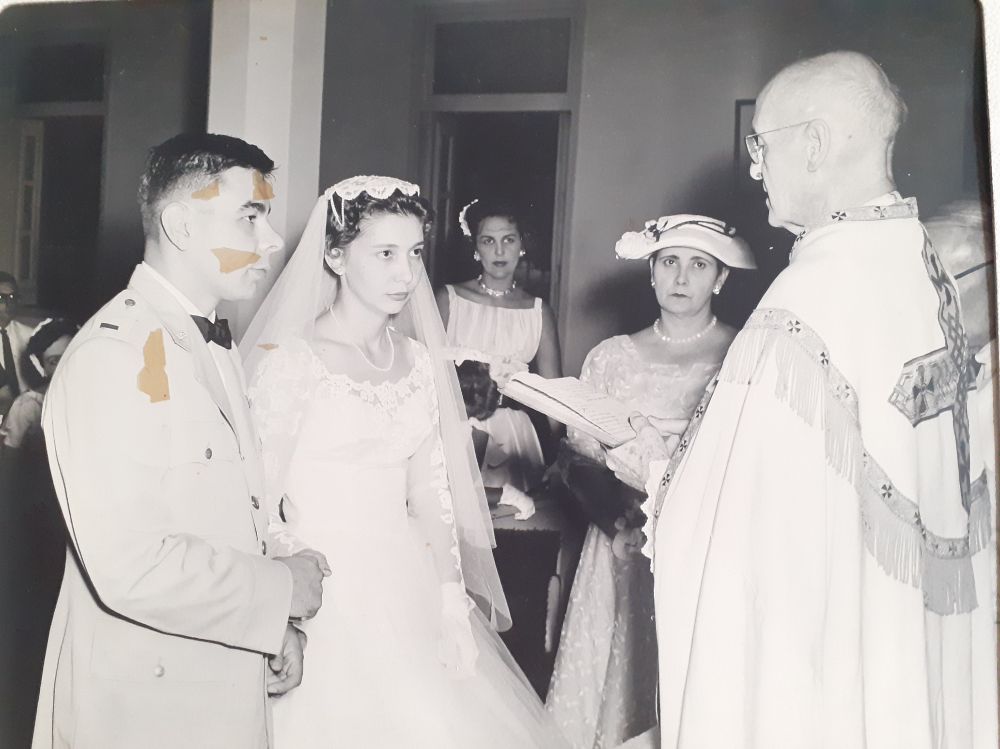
(667, 339)
(493, 292)
(392, 346)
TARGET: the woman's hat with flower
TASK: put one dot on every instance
(704, 233)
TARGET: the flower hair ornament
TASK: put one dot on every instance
(463, 223)
(377, 187)
(710, 235)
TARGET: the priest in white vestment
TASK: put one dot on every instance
(811, 534)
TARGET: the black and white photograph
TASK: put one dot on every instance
(498, 374)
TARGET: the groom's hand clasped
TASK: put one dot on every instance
(286, 666)
(308, 569)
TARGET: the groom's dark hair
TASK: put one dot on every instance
(191, 161)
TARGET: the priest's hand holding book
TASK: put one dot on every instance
(631, 441)
(655, 440)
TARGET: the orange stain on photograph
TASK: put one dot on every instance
(231, 260)
(207, 193)
(267, 346)
(262, 189)
(152, 379)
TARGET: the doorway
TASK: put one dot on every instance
(70, 208)
(506, 156)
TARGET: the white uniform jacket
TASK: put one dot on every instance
(169, 599)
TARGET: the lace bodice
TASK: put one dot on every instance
(345, 455)
(615, 366)
(499, 331)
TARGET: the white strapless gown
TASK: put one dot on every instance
(372, 673)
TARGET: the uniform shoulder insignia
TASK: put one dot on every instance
(120, 318)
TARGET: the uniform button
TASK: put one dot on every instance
(159, 671)
(208, 453)
(130, 302)
(255, 502)
(263, 548)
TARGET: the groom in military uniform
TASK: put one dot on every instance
(172, 624)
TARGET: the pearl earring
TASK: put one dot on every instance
(475, 256)
(717, 289)
(523, 253)
(652, 282)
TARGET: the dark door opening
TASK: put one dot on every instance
(510, 156)
(70, 209)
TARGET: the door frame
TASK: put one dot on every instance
(428, 106)
(28, 231)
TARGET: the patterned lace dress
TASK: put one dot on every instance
(603, 689)
(366, 484)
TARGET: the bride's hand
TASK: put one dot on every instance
(457, 647)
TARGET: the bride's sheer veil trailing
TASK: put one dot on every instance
(301, 294)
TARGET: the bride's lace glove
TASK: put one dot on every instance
(516, 498)
(457, 646)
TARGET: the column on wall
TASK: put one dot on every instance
(266, 86)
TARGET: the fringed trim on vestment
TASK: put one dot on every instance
(805, 381)
(815, 390)
(980, 515)
(949, 585)
(845, 449)
(893, 541)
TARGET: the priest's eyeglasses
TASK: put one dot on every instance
(755, 146)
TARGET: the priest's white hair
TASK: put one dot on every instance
(853, 83)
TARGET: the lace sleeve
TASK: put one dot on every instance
(429, 496)
(278, 396)
(595, 372)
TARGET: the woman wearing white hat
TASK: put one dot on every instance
(603, 689)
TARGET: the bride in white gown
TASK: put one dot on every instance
(364, 450)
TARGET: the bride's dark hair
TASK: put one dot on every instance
(363, 207)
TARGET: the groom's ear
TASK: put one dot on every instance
(175, 220)
(334, 258)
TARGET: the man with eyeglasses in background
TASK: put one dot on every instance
(813, 532)
(14, 337)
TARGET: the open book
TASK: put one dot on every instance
(573, 403)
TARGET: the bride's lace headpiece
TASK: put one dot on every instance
(375, 186)
(463, 223)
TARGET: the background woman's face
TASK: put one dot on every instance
(499, 244)
(381, 266)
(684, 279)
(51, 356)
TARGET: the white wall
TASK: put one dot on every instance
(368, 121)
(656, 127)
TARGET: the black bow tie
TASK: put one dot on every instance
(214, 332)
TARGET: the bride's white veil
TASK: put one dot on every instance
(300, 295)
